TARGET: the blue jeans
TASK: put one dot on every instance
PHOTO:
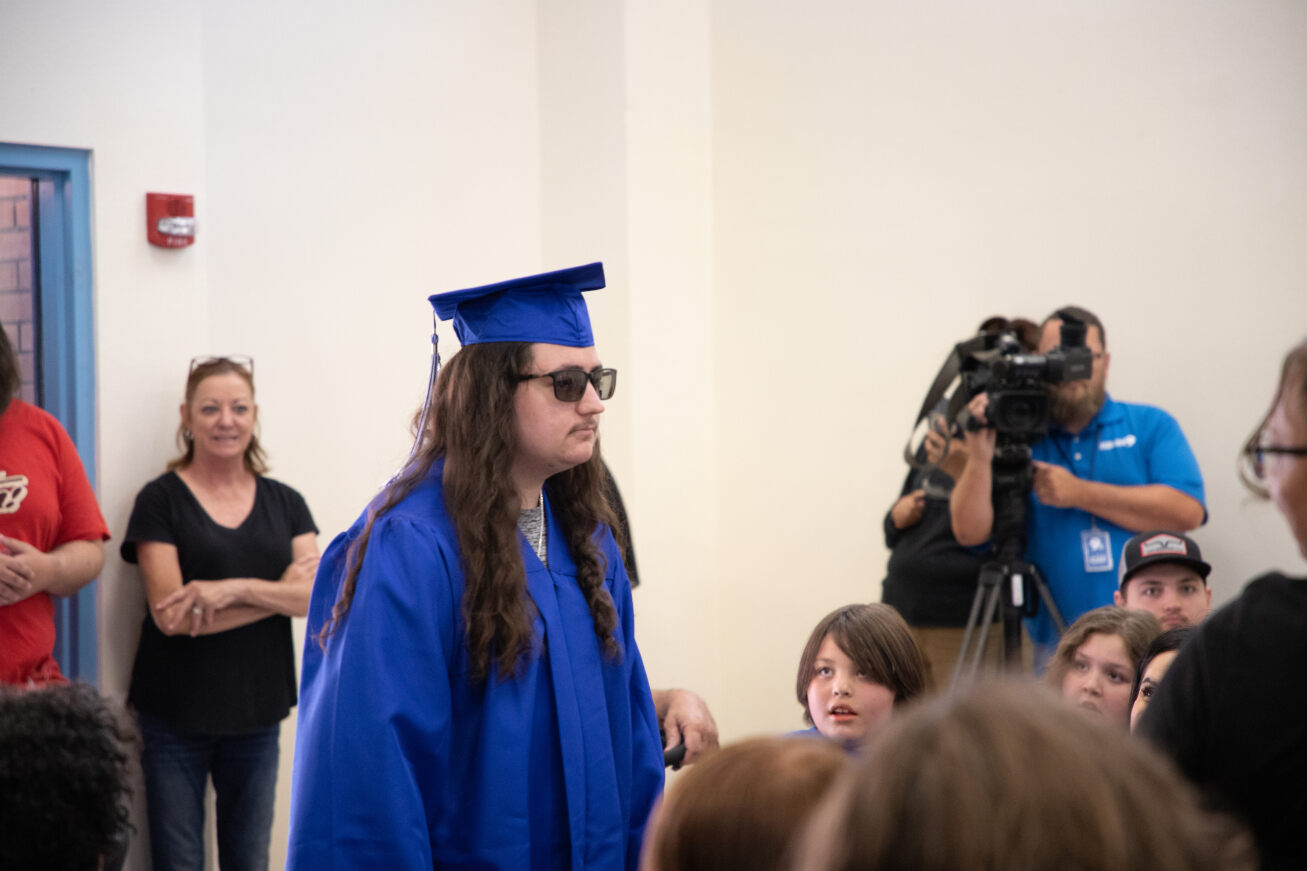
(177, 767)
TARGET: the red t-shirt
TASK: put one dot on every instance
(46, 501)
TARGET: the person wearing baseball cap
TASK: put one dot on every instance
(1163, 572)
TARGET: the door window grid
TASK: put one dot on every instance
(19, 302)
(62, 341)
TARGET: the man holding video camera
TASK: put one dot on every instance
(1104, 470)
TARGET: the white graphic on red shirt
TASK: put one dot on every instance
(13, 490)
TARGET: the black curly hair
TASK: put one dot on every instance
(64, 778)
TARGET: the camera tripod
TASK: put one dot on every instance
(1006, 578)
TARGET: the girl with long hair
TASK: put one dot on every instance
(1095, 661)
(1153, 666)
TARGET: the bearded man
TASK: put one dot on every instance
(473, 696)
(1104, 471)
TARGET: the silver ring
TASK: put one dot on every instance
(197, 610)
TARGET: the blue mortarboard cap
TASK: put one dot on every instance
(538, 308)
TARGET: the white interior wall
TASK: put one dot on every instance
(126, 82)
(887, 175)
(361, 157)
(801, 209)
(670, 486)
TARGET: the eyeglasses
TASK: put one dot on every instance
(240, 360)
(569, 384)
(1256, 457)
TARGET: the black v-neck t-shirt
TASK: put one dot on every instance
(230, 682)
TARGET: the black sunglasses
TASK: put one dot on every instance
(569, 384)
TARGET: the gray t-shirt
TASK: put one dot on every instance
(532, 524)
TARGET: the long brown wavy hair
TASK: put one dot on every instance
(470, 423)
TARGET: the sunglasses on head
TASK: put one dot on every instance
(241, 361)
(569, 384)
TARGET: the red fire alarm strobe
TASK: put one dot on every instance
(170, 220)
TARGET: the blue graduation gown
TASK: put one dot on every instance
(403, 762)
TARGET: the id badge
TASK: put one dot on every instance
(1096, 544)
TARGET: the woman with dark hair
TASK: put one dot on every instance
(227, 558)
(1232, 711)
(51, 531)
(473, 695)
(1153, 666)
(1096, 658)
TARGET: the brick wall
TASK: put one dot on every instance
(17, 295)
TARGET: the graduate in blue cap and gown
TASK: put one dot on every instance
(472, 692)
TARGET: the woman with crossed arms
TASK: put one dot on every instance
(227, 556)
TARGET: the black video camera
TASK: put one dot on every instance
(1016, 380)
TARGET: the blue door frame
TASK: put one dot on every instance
(63, 177)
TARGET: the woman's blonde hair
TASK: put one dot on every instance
(256, 461)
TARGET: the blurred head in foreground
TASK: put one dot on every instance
(1005, 777)
(742, 806)
(65, 771)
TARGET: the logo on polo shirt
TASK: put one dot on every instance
(1126, 441)
(13, 490)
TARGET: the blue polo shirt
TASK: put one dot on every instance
(1124, 444)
